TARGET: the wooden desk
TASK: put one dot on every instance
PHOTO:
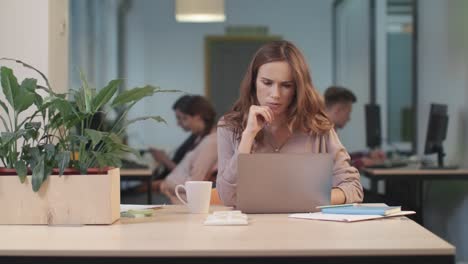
(419, 176)
(174, 236)
(139, 174)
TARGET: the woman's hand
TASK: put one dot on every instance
(337, 196)
(258, 117)
(158, 155)
(161, 157)
(377, 155)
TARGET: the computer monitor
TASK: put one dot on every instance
(373, 126)
(437, 132)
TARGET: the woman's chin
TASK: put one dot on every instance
(277, 110)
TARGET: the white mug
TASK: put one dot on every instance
(198, 195)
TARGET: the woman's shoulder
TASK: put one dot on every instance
(224, 127)
(209, 139)
(318, 135)
(329, 136)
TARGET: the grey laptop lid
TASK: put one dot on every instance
(283, 182)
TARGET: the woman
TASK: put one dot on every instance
(279, 110)
(198, 163)
(181, 108)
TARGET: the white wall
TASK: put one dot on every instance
(25, 22)
(32, 28)
(353, 69)
(25, 30)
(171, 55)
(443, 71)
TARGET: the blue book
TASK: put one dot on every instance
(361, 209)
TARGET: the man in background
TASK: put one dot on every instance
(338, 106)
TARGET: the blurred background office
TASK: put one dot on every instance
(400, 54)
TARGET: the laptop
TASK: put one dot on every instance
(283, 182)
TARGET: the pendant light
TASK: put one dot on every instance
(199, 11)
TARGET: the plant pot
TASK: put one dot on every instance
(7, 171)
(91, 171)
(69, 199)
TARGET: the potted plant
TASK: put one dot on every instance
(63, 140)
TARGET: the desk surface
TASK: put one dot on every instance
(414, 171)
(174, 232)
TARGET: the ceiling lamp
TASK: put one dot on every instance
(199, 11)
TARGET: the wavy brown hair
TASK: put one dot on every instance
(306, 112)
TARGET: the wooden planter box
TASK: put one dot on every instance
(65, 200)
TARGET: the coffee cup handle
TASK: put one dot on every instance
(177, 193)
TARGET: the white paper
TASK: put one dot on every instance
(126, 207)
(345, 217)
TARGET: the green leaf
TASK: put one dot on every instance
(38, 101)
(4, 106)
(25, 98)
(35, 156)
(94, 135)
(49, 150)
(115, 138)
(87, 93)
(79, 139)
(31, 134)
(7, 136)
(134, 95)
(48, 168)
(29, 84)
(21, 170)
(63, 158)
(38, 174)
(167, 91)
(63, 106)
(4, 123)
(10, 85)
(129, 149)
(107, 159)
(32, 125)
(104, 96)
(34, 69)
(155, 118)
(20, 133)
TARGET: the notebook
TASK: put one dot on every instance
(283, 182)
(361, 209)
(345, 217)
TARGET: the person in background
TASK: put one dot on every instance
(339, 105)
(180, 108)
(279, 110)
(199, 162)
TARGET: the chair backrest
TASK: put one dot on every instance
(215, 200)
(211, 175)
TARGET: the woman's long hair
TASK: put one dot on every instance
(199, 105)
(307, 110)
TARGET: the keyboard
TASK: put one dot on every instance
(389, 164)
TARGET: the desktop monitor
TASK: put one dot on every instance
(373, 126)
(437, 132)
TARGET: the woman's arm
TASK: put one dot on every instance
(346, 178)
(162, 157)
(205, 158)
(227, 166)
